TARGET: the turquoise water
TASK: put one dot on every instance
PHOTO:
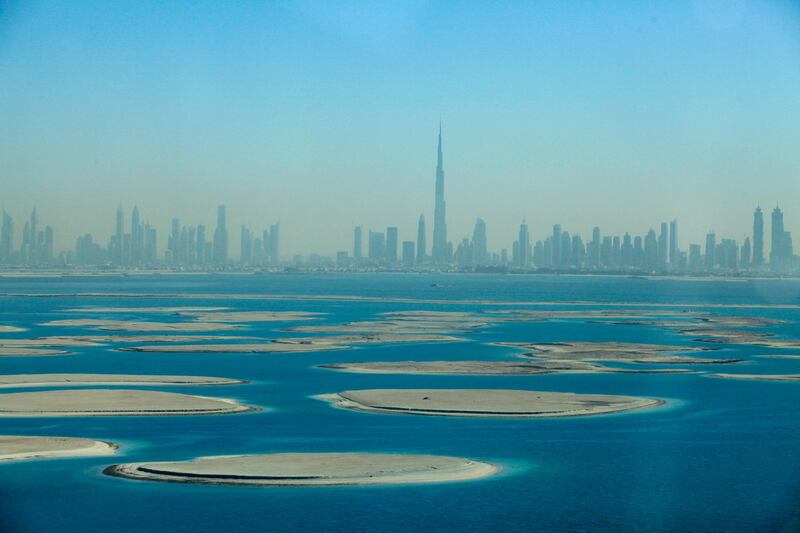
(720, 455)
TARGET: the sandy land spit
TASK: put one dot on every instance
(496, 368)
(614, 351)
(252, 316)
(6, 351)
(135, 325)
(264, 347)
(351, 298)
(10, 329)
(174, 310)
(77, 380)
(15, 447)
(760, 377)
(309, 469)
(113, 402)
(485, 402)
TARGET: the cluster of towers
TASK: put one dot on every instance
(37, 244)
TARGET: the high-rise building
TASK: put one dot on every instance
(780, 254)
(421, 246)
(119, 235)
(376, 246)
(275, 243)
(357, 243)
(221, 238)
(440, 251)
(663, 245)
(595, 245)
(523, 246)
(408, 253)
(651, 251)
(745, 254)
(711, 248)
(758, 238)
(391, 244)
(673, 242)
(555, 259)
(479, 244)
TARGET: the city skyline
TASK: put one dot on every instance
(324, 118)
(187, 247)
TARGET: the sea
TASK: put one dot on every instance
(719, 455)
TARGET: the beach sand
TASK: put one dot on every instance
(16, 447)
(309, 469)
(61, 380)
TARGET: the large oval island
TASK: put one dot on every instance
(485, 402)
(113, 402)
(309, 469)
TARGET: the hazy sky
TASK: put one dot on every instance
(324, 114)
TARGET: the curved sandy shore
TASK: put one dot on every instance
(760, 377)
(485, 402)
(66, 380)
(142, 326)
(113, 402)
(6, 351)
(492, 368)
(309, 469)
(15, 447)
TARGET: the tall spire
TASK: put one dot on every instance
(440, 249)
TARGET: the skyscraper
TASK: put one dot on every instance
(555, 259)
(524, 246)
(663, 245)
(391, 244)
(221, 238)
(780, 254)
(421, 246)
(673, 242)
(479, 245)
(440, 251)
(357, 243)
(758, 238)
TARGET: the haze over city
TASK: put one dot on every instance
(324, 119)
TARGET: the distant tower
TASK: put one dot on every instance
(673, 242)
(758, 238)
(119, 235)
(421, 246)
(524, 245)
(357, 243)
(221, 238)
(391, 245)
(479, 245)
(440, 250)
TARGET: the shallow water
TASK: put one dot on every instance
(720, 455)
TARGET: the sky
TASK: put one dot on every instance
(324, 115)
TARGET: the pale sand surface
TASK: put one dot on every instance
(6, 351)
(614, 351)
(265, 347)
(310, 469)
(349, 298)
(183, 309)
(14, 447)
(763, 377)
(10, 329)
(376, 338)
(112, 402)
(252, 316)
(133, 325)
(53, 380)
(61, 341)
(503, 368)
(390, 327)
(779, 356)
(485, 402)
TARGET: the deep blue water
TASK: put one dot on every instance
(720, 455)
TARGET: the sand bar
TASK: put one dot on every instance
(10, 329)
(309, 469)
(252, 316)
(495, 368)
(133, 325)
(762, 377)
(112, 402)
(265, 347)
(76, 380)
(485, 402)
(351, 298)
(15, 447)
(180, 309)
(614, 351)
(6, 351)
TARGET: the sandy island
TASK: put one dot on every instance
(614, 351)
(113, 402)
(309, 469)
(761, 377)
(10, 329)
(6, 351)
(485, 402)
(176, 310)
(134, 325)
(252, 316)
(14, 447)
(496, 368)
(56, 380)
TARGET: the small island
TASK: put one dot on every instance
(66, 380)
(309, 469)
(485, 402)
(17, 447)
